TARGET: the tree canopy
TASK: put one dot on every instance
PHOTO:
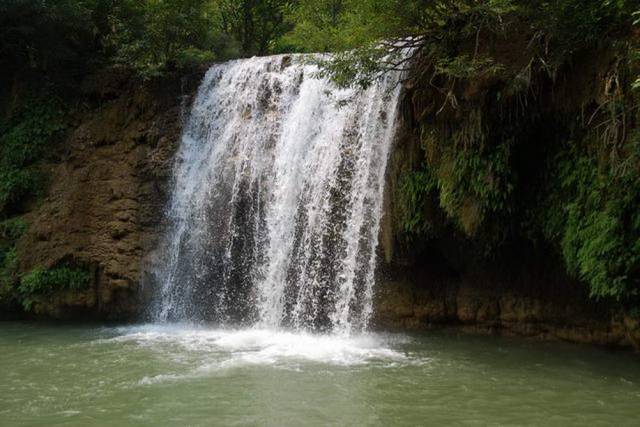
(155, 35)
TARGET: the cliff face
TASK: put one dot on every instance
(446, 281)
(103, 209)
(534, 300)
(479, 271)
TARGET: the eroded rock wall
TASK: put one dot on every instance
(417, 300)
(444, 279)
(103, 209)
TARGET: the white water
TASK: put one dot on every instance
(276, 208)
(220, 349)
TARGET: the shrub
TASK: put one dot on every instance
(10, 232)
(470, 182)
(39, 282)
(415, 189)
(592, 211)
(24, 140)
(8, 272)
(12, 229)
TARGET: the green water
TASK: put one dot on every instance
(181, 375)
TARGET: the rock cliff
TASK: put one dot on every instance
(446, 276)
(103, 209)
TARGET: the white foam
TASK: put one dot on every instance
(222, 348)
(157, 379)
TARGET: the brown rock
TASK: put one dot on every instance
(105, 203)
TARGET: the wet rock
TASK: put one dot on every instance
(632, 329)
(417, 304)
(105, 201)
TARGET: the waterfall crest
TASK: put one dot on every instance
(277, 198)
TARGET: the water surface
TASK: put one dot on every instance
(186, 375)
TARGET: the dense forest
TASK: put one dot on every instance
(516, 145)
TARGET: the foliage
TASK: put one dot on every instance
(10, 232)
(24, 140)
(39, 282)
(374, 36)
(154, 34)
(338, 25)
(415, 189)
(72, 37)
(256, 26)
(316, 26)
(470, 183)
(592, 209)
(12, 229)
(49, 36)
(571, 25)
(8, 273)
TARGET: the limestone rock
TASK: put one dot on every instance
(107, 195)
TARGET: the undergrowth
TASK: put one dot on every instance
(592, 211)
(25, 139)
(10, 232)
(40, 282)
(579, 189)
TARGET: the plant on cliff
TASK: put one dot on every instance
(592, 210)
(12, 229)
(483, 124)
(41, 282)
(415, 189)
(8, 274)
(10, 232)
(26, 138)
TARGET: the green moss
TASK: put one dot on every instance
(475, 183)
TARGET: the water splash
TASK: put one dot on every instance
(278, 196)
(218, 349)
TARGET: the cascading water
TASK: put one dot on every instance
(277, 199)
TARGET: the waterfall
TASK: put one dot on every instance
(277, 199)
